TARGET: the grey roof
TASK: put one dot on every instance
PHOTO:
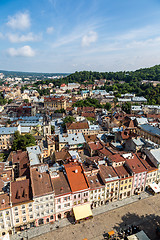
(25, 129)
(7, 130)
(94, 127)
(156, 154)
(136, 108)
(33, 153)
(139, 99)
(72, 139)
(138, 141)
(34, 149)
(30, 123)
(151, 129)
(142, 236)
(141, 121)
(124, 99)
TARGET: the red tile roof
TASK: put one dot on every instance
(77, 179)
(61, 185)
(20, 191)
(105, 152)
(107, 172)
(122, 172)
(53, 99)
(4, 201)
(78, 125)
(62, 155)
(95, 182)
(41, 182)
(116, 158)
(95, 146)
(23, 162)
(135, 164)
(91, 138)
(88, 114)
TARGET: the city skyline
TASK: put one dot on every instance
(68, 36)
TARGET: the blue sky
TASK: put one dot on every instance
(72, 35)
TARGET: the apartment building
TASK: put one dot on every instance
(138, 171)
(78, 183)
(125, 181)
(21, 204)
(63, 196)
(5, 215)
(80, 190)
(43, 195)
(79, 127)
(151, 170)
(55, 102)
(111, 180)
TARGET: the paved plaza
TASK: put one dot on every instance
(120, 214)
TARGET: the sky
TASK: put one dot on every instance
(64, 36)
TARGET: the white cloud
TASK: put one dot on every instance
(25, 51)
(19, 21)
(15, 38)
(89, 38)
(50, 30)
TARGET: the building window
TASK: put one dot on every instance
(59, 200)
(68, 198)
(17, 220)
(65, 198)
(59, 206)
(74, 196)
(24, 219)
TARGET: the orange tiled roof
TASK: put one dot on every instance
(76, 177)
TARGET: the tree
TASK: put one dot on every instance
(22, 141)
(26, 100)
(68, 119)
(126, 107)
(107, 106)
(52, 129)
(9, 101)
